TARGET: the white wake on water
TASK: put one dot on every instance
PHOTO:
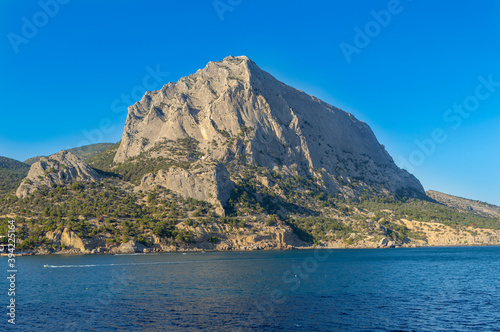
(111, 264)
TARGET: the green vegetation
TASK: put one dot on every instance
(88, 151)
(400, 232)
(315, 215)
(90, 209)
(262, 197)
(426, 210)
(321, 228)
(181, 153)
(32, 160)
(12, 172)
(104, 159)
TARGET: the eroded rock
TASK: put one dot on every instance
(210, 183)
(60, 168)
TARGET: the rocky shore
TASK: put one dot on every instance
(271, 238)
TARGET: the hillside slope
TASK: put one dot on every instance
(467, 205)
(84, 152)
(11, 173)
(62, 168)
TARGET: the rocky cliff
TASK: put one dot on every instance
(210, 183)
(60, 168)
(238, 112)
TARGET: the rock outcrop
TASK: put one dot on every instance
(210, 183)
(131, 247)
(437, 234)
(75, 244)
(236, 111)
(60, 168)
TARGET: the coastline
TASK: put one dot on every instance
(222, 238)
(198, 250)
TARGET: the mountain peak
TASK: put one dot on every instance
(231, 58)
(238, 113)
(233, 67)
(235, 60)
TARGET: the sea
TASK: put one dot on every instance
(402, 289)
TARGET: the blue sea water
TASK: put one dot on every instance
(417, 289)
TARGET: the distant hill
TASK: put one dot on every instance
(84, 152)
(11, 173)
(471, 206)
(32, 160)
(104, 159)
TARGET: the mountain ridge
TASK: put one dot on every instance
(85, 152)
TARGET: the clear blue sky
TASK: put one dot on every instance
(66, 78)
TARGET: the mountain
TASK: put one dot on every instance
(229, 158)
(84, 152)
(11, 174)
(235, 112)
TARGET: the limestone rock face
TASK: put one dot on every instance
(266, 238)
(70, 239)
(60, 168)
(131, 247)
(73, 242)
(441, 235)
(210, 183)
(236, 111)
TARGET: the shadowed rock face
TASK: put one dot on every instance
(60, 168)
(238, 112)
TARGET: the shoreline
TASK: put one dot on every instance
(196, 250)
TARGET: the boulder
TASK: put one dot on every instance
(131, 247)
